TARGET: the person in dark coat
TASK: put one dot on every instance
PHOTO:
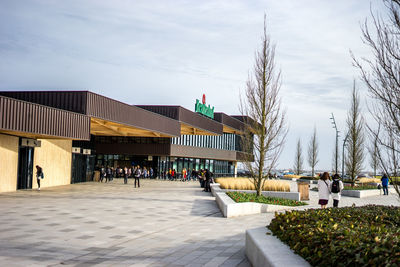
(39, 175)
(385, 184)
(207, 186)
(138, 173)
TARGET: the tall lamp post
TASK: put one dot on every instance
(344, 144)
(337, 138)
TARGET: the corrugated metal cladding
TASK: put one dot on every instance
(200, 121)
(168, 111)
(229, 121)
(91, 104)
(74, 101)
(186, 116)
(109, 109)
(21, 116)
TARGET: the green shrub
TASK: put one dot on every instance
(360, 187)
(349, 236)
(308, 178)
(252, 197)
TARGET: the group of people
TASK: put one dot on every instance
(186, 175)
(135, 172)
(327, 187)
(334, 187)
(206, 179)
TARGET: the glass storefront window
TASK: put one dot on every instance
(179, 165)
(191, 167)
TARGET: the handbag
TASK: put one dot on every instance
(42, 175)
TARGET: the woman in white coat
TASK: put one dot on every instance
(324, 185)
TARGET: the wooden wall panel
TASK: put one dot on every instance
(55, 157)
(8, 163)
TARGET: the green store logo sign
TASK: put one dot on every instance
(203, 109)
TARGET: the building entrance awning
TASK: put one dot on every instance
(110, 128)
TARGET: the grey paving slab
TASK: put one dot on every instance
(162, 223)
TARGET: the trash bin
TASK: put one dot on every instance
(96, 176)
(303, 189)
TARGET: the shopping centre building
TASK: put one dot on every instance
(70, 134)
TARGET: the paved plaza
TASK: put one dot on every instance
(162, 223)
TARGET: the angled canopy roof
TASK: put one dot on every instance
(191, 123)
(107, 116)
(230, 124)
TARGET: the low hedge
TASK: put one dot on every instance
(308, 178)
(252, 197)
(360, 187)
(349, 236)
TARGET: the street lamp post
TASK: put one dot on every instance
(344, 144)
(337, 139)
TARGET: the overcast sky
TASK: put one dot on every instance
(171, 52)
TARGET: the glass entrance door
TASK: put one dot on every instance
(25, 167)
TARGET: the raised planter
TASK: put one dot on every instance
(267, 250)
(361, 193)
(230, 208)
(287, 195)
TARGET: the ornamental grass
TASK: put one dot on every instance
(369, 180)
(349, 236)
(292, 176)
(247, 184)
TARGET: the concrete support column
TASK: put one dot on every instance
(235, 172)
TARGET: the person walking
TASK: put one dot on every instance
(170, 174)
(109, 174)
(336, 189)
(125, 175)
(324, 190)
(385, 184)
(194, 175)
(138, 173)
(207, 186)
(184, 175)
(102, 174)
(39, 175)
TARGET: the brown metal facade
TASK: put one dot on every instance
(42, 121)
(74, 101)
(186, 116)
(229, 121)
(108, 109)
(102, 107)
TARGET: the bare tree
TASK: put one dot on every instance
(355, 142)
(313, 151)
(373, 154)
(266, 128)
(382, 77)
(298, 159)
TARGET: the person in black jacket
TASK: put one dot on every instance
(207, 186)
(39, 175)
